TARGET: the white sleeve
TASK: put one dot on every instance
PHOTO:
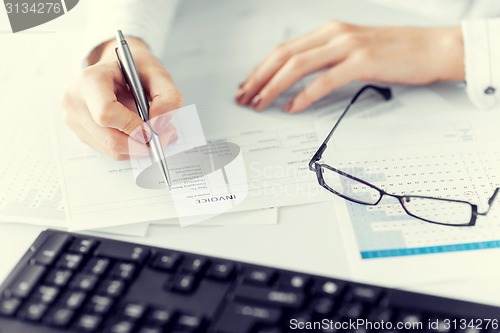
(482, 61)
(149, 20)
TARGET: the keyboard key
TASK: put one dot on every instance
(242, 318)
(59, 317)
(323, 306)
(166, 261)
(259, 276)
(112, 288)
(123, 252)
(97, 266)
(50, 249)
(329, 287)
(59, 278)
(124, 271)
(294, 281)
(194, 265)
(150, 329)
(367, 294)
(351, 310)
(381, 314)
(84, 281)
(46, 294)
(410, 318)
(25, 281)
(122, 326)
(271, 297)
(159, 317)
(73, 299)
(269, 330)
(133, 311)
(100, 304)
(221, 271)
(184, 283)
(189, 323)
(70, 261)
(33, 311)
(9, 306)
(83, 246)
(88, 323)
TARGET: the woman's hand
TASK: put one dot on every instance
(404, 55)
(100, 109)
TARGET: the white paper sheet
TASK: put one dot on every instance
(102, 192)
(29, 185)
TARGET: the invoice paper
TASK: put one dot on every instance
(102, 192)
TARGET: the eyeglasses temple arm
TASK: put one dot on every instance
(317, 156)
(490, 202)
(386, 93)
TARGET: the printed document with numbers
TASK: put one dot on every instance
(426, 149)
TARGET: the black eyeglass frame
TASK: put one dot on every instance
(317, 167)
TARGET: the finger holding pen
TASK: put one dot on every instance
(100, 110)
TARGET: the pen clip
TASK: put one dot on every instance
(121, 68)
(126, 81)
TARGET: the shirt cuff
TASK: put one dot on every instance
(482, 61)
(148, 20)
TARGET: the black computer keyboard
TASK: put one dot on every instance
(76, 283)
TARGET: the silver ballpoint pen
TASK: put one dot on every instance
(133, 82)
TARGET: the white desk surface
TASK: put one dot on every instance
(298, 242)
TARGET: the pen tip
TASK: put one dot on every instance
(119, 35)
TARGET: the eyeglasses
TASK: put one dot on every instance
(429, 209)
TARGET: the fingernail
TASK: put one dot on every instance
(294, 107)
(239, 96)
(288, 106)
(255, 103)
(241, 84)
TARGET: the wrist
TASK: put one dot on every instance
(451, 53)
